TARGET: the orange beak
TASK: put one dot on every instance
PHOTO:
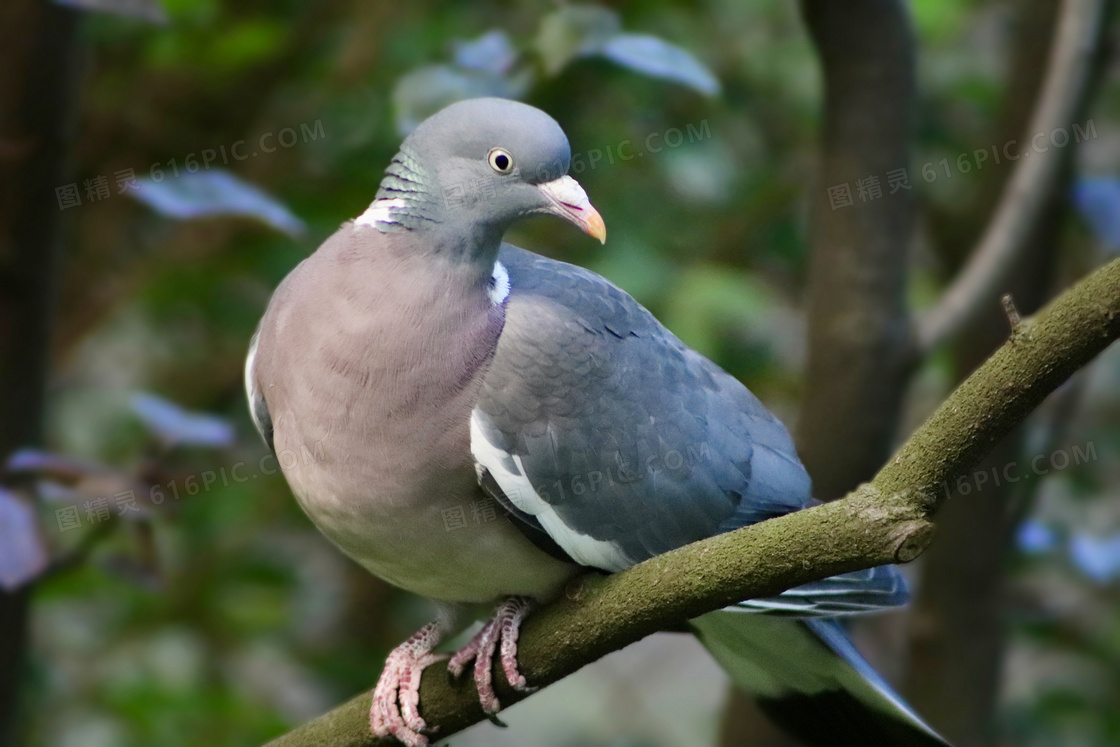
(568, 201)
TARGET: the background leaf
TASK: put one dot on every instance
(1035, 538)
(1096, 557)
(1098, 201)
(574, 31)
(215, 192)
(490, 53)
(147, 10)
(424, 91)
(23, 555)
(657, 58)
(178, 427)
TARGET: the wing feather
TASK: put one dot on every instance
(601, 430)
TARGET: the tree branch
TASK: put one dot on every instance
(884, 521)
(980, 282)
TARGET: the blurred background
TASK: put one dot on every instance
(789, 187)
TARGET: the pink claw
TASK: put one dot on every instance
(396, 698)
(502, 630)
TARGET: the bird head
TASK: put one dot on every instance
(478, 166)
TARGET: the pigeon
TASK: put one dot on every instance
(478, 424)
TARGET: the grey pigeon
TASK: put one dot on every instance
(485, 423)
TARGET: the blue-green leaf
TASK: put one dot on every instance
(1035, 538)
(1098, 200)
(178, 427)
(574, 31)
(490, 53)
(1096, 557)
(424, 91)
(211, 193)
(23, 555)
(658, 58)
(146, 10)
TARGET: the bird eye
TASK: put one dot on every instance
(500, 160)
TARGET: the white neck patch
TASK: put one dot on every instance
(499, 284)
(379, 211)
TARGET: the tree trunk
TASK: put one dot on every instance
(38, 60)
(859, 333)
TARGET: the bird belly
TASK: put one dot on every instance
(454, 544)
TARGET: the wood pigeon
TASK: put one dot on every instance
(478, 424)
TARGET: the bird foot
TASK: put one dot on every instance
(499, 634)
(396, 699)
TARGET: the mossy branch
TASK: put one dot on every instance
(884, 521)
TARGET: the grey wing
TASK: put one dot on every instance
(604, 430)
(855, 593)
(610, 441)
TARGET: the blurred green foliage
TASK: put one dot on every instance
(246, 622)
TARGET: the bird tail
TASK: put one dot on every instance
(810, 680)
